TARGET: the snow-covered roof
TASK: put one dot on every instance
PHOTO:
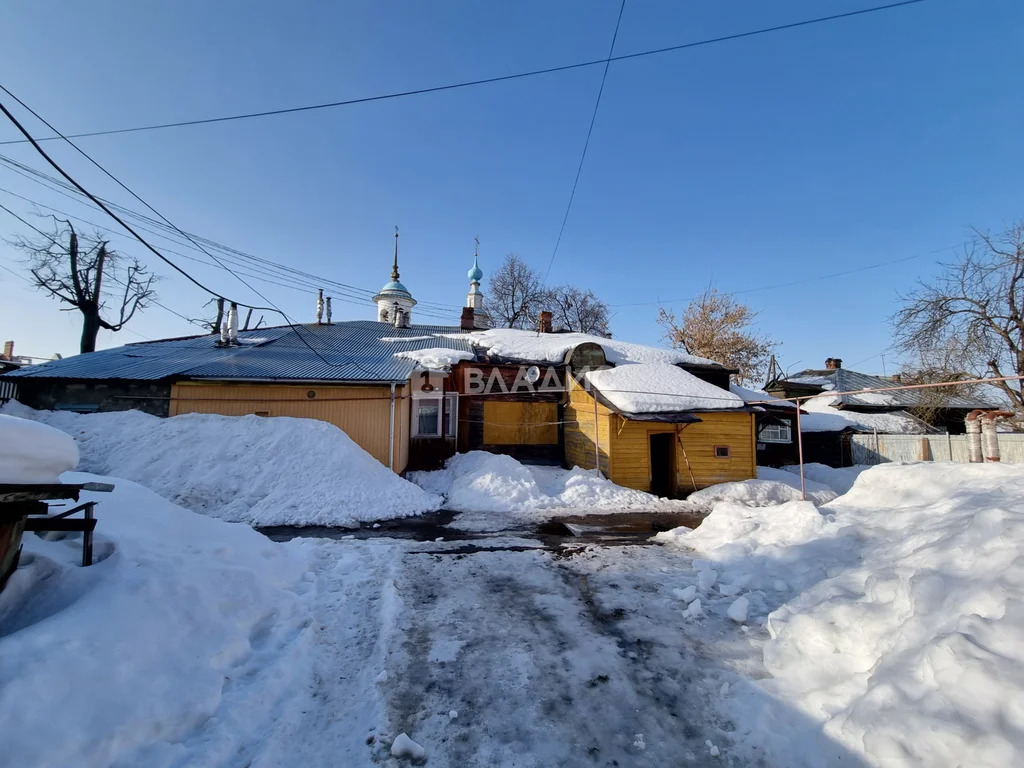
(845, 380)
(435, 358)
(659, 388)
(823, 416)
(759, 397)
(515, 344)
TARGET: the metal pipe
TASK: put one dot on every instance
(597, 438)
(989, 435)
(391, 432)
(800, 453)
(233, 324)
(973, 427)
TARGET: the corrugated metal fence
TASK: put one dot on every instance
(878, 449)
(8, 391)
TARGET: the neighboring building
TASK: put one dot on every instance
(775, 427)
(412, 395)
(832, 418)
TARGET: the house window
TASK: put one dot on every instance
(451, 415)
(776, 433)
(721, 451)
(426, 417)
(261, 413)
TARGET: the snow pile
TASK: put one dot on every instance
(183, 621)
(823, 416)
(250, 469)
(772, 486)
(487, 482)
(839, 479)
(435, 358)
(32, 452)
(760, 397)
(659, 388)
(901, 634)
(530, 346)
(396, 339)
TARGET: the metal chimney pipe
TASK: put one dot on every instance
(223, 331)
(328, 310)
(320, 307)
(990, 437)
(973, 426)
(233, 324)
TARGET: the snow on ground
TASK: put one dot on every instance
(839, 479)
(772, 486)
(893, 616)
(261, 471)
(512, 493)
(822, 416)
(530, 346)
(435, 358)
(659, 388)
(33, 453)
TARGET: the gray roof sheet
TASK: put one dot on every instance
(845, 380)
(346, 351)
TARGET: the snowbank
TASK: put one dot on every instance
(839, 480)
(772, 486)
(487, 482)
(435, 358)
(261, 471)
(530, 346)
(659, 388)
(125, 658)
(901, 634)
(32, 452)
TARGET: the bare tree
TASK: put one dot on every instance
(718, 327)
(970, 319)
(72, 269)
(578, 310)
(516, 294)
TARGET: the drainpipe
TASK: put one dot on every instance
(974, 437)
(989, 436)
(391, 432)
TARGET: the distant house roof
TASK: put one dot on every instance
(760, 398)
(845, 380)
(823, 416)
(353, 351)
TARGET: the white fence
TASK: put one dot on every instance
(878, 449)
(8, 391)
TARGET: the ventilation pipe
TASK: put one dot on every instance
(989, 435)
(328, 310)
(320, 307)
(233, 324)
(974, 437)
(223, 331)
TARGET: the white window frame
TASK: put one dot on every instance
(451, 413)
(786, 425)
(437, 399)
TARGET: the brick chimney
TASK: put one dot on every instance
(8, 350)
(833, 363)
(468, 320)
(545, 322)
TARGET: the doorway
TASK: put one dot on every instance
(663, 463)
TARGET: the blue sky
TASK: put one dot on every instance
(743, 165)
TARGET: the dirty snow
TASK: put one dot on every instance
(435, 358)
(530, 346)
(659, 388)
(250, 469)
(772, 486)
(33, 453)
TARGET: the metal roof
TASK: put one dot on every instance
(347, 351)
(845, 380)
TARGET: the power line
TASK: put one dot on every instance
(586, 143)
(482, 81)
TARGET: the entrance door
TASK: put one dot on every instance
(663, 463)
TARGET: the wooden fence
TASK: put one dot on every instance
(878, 449)
(8, 391)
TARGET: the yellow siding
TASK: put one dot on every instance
(520, 423)
(580, 436)
(362, 412)
(696, 463)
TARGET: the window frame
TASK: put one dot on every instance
(726, 455)
(781, 424)
(417, 402)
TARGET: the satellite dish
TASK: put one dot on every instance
(533, 374)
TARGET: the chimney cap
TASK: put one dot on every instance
(833, 363)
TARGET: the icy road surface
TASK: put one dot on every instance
(506, 658)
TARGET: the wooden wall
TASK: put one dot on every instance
(624, 445)
(694, 442)
(363, 412)
(520, 423)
